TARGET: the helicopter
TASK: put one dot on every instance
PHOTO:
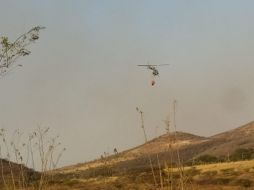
(155, 71)
(153, 68)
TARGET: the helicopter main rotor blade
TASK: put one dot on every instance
(146, 65)
(154, 65)
(163, 65)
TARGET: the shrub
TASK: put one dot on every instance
(244, 182)
(222, 181)
(242, 154)
(206, 159)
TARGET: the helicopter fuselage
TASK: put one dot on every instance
(155, 71)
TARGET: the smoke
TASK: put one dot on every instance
(234, 99)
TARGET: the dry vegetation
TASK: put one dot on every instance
(168, 162)
(232, 175)
(132, 169)
(38, 151)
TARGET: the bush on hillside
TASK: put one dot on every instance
(206, 159)
(242, 154)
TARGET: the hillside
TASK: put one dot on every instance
(189, 146)
(137, 157)
(225, 176)
(227, 142)
(130, 169)
(17, 170)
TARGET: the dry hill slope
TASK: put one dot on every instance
(227, 142)
(189, 146)
(17, 170)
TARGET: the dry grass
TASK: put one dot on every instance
(221, 176)
(239, 166)
(20, 153)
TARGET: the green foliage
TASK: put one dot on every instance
(5, 42)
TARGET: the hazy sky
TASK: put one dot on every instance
(82, 80)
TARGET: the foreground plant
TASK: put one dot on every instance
(11, 51)
(145, 137)
(39, 152)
